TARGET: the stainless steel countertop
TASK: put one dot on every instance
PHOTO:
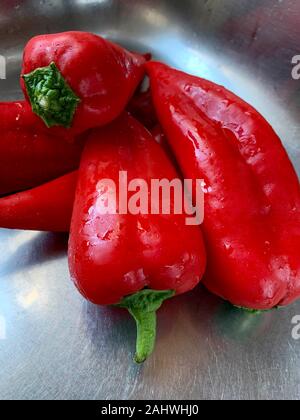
(57, 346)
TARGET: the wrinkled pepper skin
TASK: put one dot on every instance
(252, 208)
(29, 157)
(112, 256)
(45, 208)
(76, 80)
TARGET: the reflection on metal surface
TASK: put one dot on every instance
(63, 347)
(2, 328)
(26, 300)
(21, 239)
(155, 17)
(240, 325)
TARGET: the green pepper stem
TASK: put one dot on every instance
(146, 334)
(255, 311)
(143, 306)
(51, 98)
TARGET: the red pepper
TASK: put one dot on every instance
(252, 212)
(141, 107)
(29, 157)
(78, 80)
(45, 208)
(134, 261)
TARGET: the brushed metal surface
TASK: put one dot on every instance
(53, 344)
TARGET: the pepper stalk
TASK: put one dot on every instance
(143, 306)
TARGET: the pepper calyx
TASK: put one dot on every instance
(51, 97)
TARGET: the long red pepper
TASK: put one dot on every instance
(29, 157)
(134, 261)
(44, 208)
(78, 80)
(252, 213)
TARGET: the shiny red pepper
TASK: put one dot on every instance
(134, 261)
(44, 208)
(77, 80)
(29, 157)
(252, 212)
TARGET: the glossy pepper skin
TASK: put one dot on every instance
(76, 80)
(252, 207)
(45, 208)
(135, 261)
(29, 157)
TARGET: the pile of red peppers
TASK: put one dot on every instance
(85, 118)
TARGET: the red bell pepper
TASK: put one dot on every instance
(45, 208)
(77, 80)
(252, 206)
(29, 157)
(134, 261)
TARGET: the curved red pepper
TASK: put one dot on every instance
(45, 208)
(29, 157)
(252, 213)
(135, 261)
(78, 80)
